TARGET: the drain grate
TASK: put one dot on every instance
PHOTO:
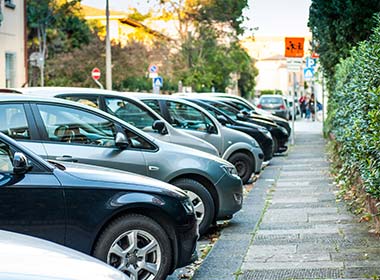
(284, 274)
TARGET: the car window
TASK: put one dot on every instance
(13, 121)
(153, 104)
(188, 117)
(270, 100)
(138, 142)
(6, 164)
(91, 101)
(129, 112)
(69, 125)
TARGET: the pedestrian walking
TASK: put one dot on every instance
(302, 102)
(307, 110)
(311, 106)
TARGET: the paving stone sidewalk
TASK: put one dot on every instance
(292, 227)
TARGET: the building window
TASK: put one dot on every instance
(9, 4)
(10, 70)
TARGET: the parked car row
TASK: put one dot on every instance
(83, 180)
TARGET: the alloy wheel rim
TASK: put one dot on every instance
(199, 207)
(136, 253)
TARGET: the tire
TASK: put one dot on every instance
(201, 198)
(144, 231)
(244, 165)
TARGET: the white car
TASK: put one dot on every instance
(24, 257)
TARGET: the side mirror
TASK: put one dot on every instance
(160, 126)
(222, 119)
(121, 141)
(244, 112)
(211, 129)
(240, 116)
(20, 164)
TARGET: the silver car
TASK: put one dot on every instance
(28, 258)
(126, 108)
(68, 131)
(237, 147)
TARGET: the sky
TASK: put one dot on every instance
(272, 17)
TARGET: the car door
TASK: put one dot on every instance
(17, 122)
(194, 122)
(79, 135)
(31, 203)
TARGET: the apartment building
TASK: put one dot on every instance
(13, 61)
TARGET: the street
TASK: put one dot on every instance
(292, 226)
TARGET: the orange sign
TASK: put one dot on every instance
(294, 47)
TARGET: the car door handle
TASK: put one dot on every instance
(153, 168)
(67, 158)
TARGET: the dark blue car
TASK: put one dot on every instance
(144, 227)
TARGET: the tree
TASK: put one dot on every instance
(339, 25)
(55, 25)
(209, 51)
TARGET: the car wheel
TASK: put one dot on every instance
(136, 245)
(244, 165)
(201, 198)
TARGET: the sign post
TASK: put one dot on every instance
(294, 48)
(157, 81)
(95, 74)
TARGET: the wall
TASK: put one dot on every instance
(12, 41)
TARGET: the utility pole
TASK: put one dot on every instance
(108, 50)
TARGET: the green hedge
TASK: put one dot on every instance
(354, 113)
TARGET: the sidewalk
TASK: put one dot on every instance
(292, 227)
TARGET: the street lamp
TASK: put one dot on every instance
(108, 50)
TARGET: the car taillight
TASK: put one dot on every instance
(259, 106)
(282, 107)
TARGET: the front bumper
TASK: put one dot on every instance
(259, 158)
(186, 243)
(230, 194)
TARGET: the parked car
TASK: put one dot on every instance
(230, 120)
(279, 134)
(126, 108)
(24, 257)
(275, 104)
(142, 226)
(243, 104)
(68, 131)
(238, 148)
(289, 103)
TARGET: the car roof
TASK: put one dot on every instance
(51, 91)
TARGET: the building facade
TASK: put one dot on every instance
(268, 52)
(13, 63)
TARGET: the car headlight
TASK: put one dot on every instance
(231, 170)
(189, 207)
(284, 130)
(264, 130)
(254, 143)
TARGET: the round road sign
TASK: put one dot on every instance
(153, 68)
(95, 74)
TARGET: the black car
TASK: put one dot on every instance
(261, 134)
(256, 112)
(144, 227)
(279, 134)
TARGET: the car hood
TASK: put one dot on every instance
(25, 258)
(118, 179)
(261, 121)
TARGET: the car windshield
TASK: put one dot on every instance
(226, 109)
(271, 100)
